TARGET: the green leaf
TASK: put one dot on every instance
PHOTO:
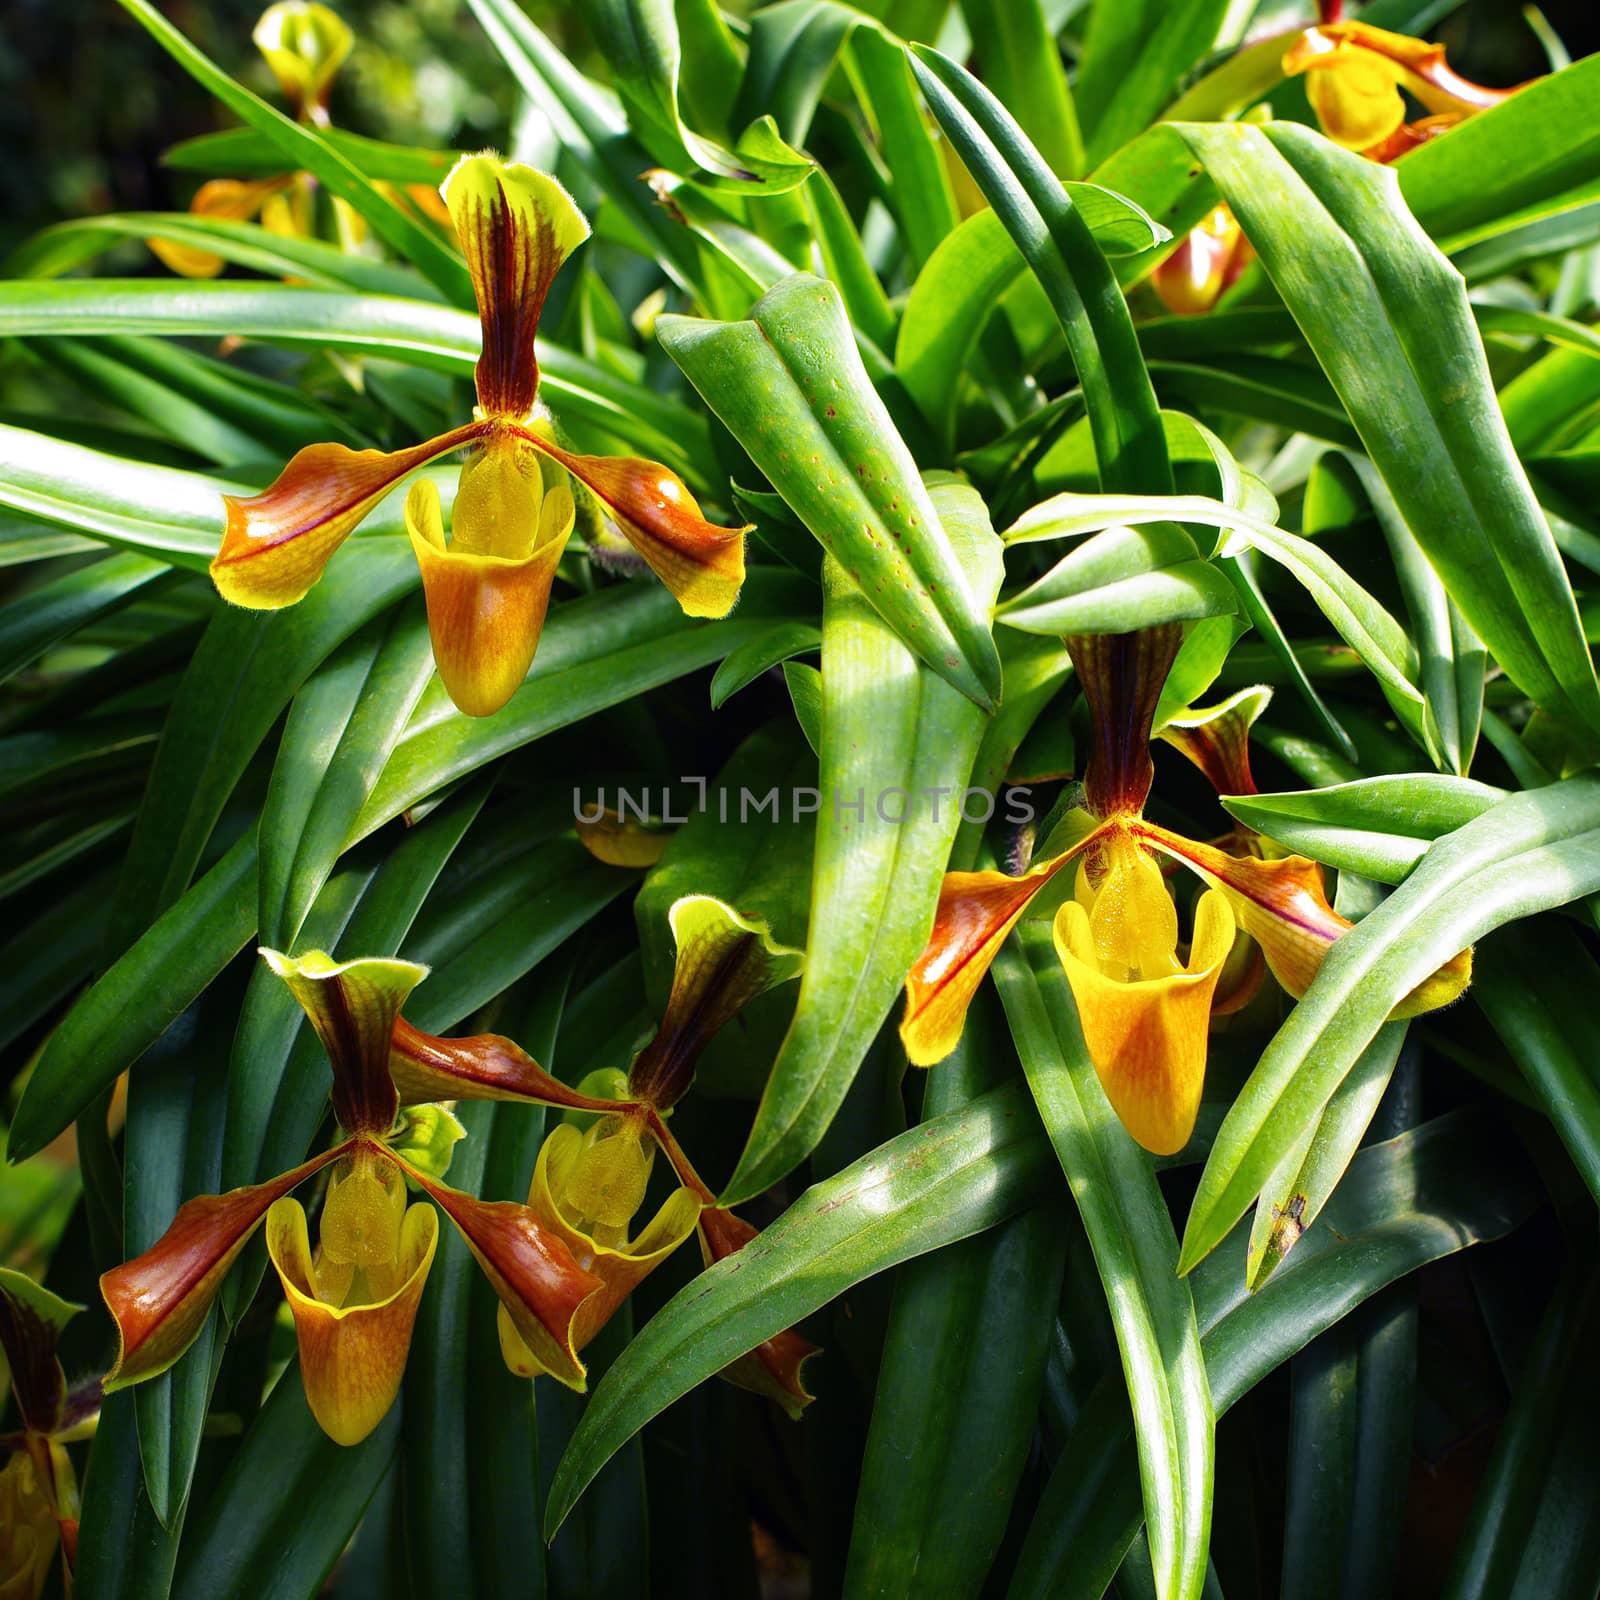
(793, 46)
(744, 665)
(1134, 56)
(58, 249)
(942, 1181)
(124, 1553)
(897, 750)
(1121, 579)
(1389, 321)
(121, 1015)
(411, 331)
(1532, 983)
(247, 667)
(805, 691)
(341, 729)
(790, 386)
(959, 1381)
(1404, 1203)
(286, 1506)
(1528, 853)
(595, 652)
(1526, 1535)
(1293, 1197)
(963, 280)
(305, 149)
(249, 153)
(31, 625)
(1378, 827)
(171, 1151)
(1126, 1218)
(1352, 1412)
(1021, 61)
(640, 41)
(1361, 621)
(1054, 238)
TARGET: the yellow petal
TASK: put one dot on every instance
(1147, 1038)
(515, 226)
(701, 563)
(620, 1267)
(352, 1358)
(276, 543)
(485, 612)
(220, 200)
(305, 44)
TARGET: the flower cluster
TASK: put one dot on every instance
(561, 1264)
(1144, 1005)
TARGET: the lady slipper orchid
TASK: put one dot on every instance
(1143, 1004)
(1354, 77)
(38, 1488)
(304, 44)
(488, 585)
(354, 1298)
(590, 1182)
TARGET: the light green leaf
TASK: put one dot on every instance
(1529, 852)
(792, 389)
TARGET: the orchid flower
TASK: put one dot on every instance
(355, 1298)
(488, 586)
(38, 1488)
(304, 44)
(1354, 77)
(1144, 1005)
(590, 1181)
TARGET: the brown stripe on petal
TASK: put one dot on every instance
(1122, 675)
(1217, 739)
(702, 564)
(530, 1269)
(276, 543)
(159, 1299)
(976, 911)
(484, 1066)
(515, 226)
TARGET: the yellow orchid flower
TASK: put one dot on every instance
(1205, 265)
(488, 586)
(304, 44)
(1354, 77)
(354, 1298)
(1144, 1005)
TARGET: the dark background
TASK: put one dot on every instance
(88, 102)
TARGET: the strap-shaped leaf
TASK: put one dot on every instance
(341, 728)
(410, 331)
(898, 744)
(789, 384)
(1054, 238)
(1528, 853)
(304, 149)
(596, 652)
(640, 41)
(1135, 1250)
(1404, 1203)
(118, 1018)
(1388, 319)
(940, 1182)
